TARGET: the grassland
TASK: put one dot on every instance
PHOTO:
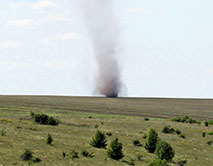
(123, 117)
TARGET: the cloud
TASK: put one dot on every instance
(20, 23)
(10, 44)
(54, 19)
(139, 10)
(44, 4)
(68, 36)
(64, 37)
(2, 13)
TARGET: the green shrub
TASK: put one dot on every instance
(183, 136)
(36, 160)
(32, 114)
(74, 154)
(211, 122)
(210, 133)
(144, 136)
(181, 162)
(146, 119)
(115, 150)
(87, 154)
(49, 139)
(184, 119)
(108, 133)
(99, 141)
(210, 142)
(45, 119)
(164, 151)
(206, 123)
(136, 143)
(27, 155)
(203, 134)
(52, 121)
(178, 132)
(151, 142)
(3, 132)
(159, 162)
(168, 129)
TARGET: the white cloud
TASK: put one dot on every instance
(44, 4)
(10, 44)
(55, 18)
(68, 36)
(1, 13)
(20, 23)
(139, 10)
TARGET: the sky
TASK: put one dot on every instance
(165, 48)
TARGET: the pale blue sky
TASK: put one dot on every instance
(166, 48)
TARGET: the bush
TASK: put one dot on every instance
(210, 133)
(211, 122)
(136, 143)
(182, 162)
(184, 119)
(3, 132)
(168, 129)
(45, 119)
(74, 154)
(36, 160)
(115, 150)
(146, 119)
(49, 139)
(144, 136)
(210, 142)
(99, 141)
(183, 136)
(164, 151)
(108, 133)
(27, 155)
(206, 123)
(178, 132)
(159, 162)
(203, 134)
(151, 142)
(87, 154)
(52, 121)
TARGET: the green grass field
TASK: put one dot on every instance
(81, 117)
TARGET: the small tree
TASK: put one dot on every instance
(164, 151)
(159, 162)
(49, 139)
(27, 155)
(151, 142)
(115, 150)
(99, 141)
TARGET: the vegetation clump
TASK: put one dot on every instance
(136, 143)
(206, 123)
(185, 119)
(211, 122)
(168, 129)
(146, 119)
(151, 142)
(159, 162)
(210, 142)
(49, 139)
(164, 151)
(3, 132)
(74, 154)
(178, 132)
(115, 150)
(87, 154)
(45, 119)
(28, 156)
(99, 141)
